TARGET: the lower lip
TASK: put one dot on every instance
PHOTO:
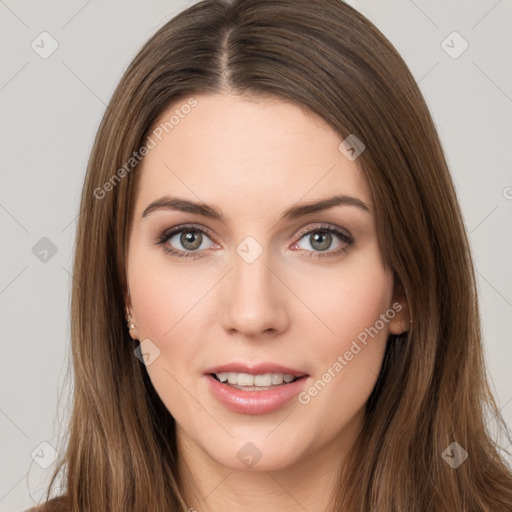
(255, 402)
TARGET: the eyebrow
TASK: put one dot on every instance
(296, 211)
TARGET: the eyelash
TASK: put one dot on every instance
(166, 235)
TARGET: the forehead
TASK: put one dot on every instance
(258, 151)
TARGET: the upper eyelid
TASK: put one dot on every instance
(177, 229)
(323, 225)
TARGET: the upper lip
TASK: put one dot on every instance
(255, 369)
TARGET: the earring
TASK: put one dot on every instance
(131, 325)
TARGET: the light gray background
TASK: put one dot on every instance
(51, 109)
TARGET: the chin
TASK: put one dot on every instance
(254, 453)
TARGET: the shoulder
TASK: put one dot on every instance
(59, 504)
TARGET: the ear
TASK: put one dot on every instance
(401, 322)
(131, 321)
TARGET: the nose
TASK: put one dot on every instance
(255, 299)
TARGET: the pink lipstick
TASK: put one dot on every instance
(255, 388)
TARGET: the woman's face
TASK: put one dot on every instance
(257, 292)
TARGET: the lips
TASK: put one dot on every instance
(250, 400)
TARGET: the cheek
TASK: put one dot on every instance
(162, 295)
(348, 301)
(172, 309)
(166, 305)
(353, 305)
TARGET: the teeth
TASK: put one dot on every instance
(263, 380)
(277, 378)
(245, 379)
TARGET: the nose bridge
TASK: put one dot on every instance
(254, 302)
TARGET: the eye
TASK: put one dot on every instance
(321, 238)
(190, 238)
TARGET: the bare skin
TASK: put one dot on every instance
(254, 159)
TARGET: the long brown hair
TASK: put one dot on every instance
(326, 58)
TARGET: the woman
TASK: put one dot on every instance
(274, 303)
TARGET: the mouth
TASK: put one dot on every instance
(258, 389)
(260, 382)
